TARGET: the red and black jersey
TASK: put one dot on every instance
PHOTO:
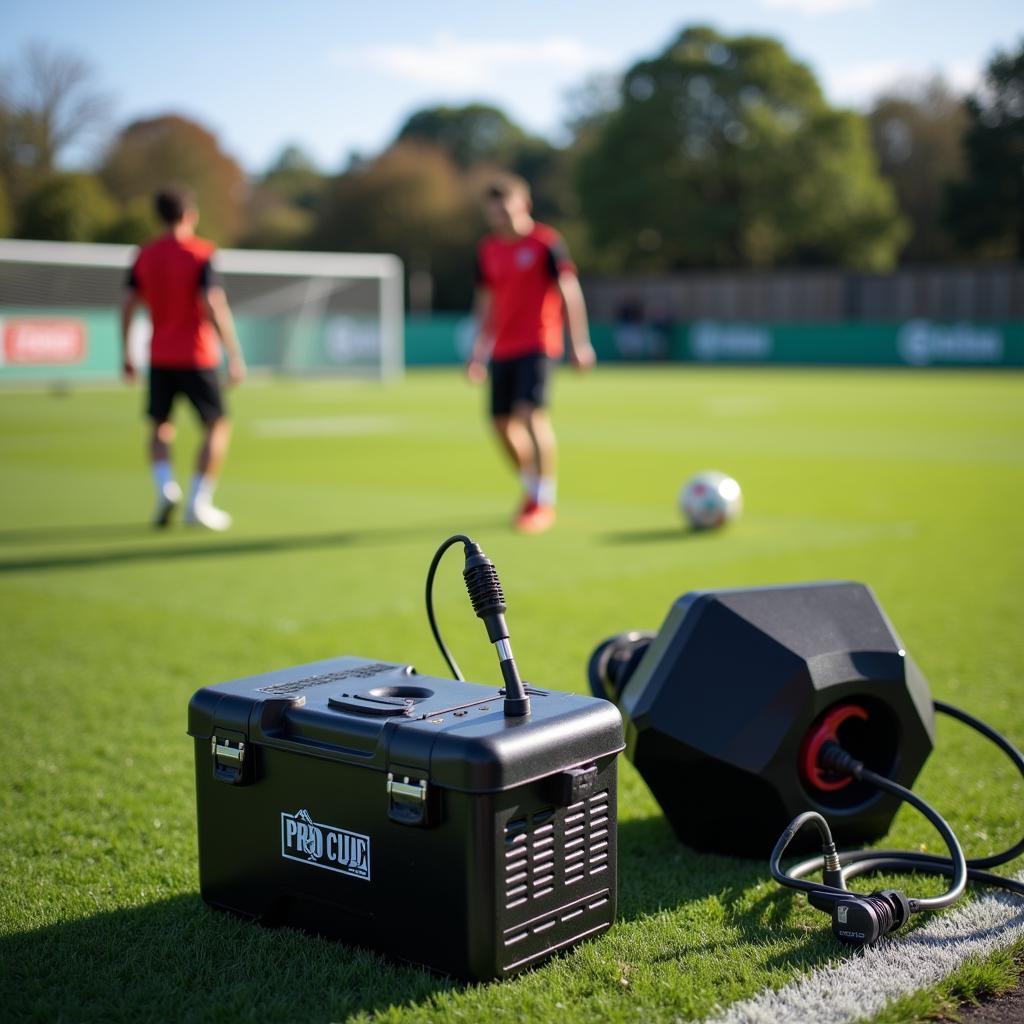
(170, 275)
(526, 305)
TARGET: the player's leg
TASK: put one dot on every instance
(511, 430)
(162, 390)
(214, 449)
(204, 392)
(531, 410)
(515, 439)
(538, 423)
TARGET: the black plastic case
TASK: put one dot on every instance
(406, 813)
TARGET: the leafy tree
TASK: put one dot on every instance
(275, 223)
(412, 200)
(48, 103)
(916, 131)
(590, 104)
(51, 103)
(135, 223)
(282, 204)
(473, 134)
(985, 211)
(11, 169)
(67, 208)
(294, 177)
(479, 137)
(151, 154)
(6, 220)
(292, 158)
(723, 152)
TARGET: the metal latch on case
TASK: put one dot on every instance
(228, 759)
(407, 801)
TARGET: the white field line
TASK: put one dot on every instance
(325, 426)
(860, 987)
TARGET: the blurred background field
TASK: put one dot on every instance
(910, 481)
(790, 186)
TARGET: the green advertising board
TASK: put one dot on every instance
(69, 345)
(909, 343)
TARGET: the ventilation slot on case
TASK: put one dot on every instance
(585, 848)
(597, 833)
(530, 858)
(554, 850)
(517, 864)
(573, 912)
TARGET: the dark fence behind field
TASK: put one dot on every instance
(973, 293)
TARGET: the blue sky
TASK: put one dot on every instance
(340, 76)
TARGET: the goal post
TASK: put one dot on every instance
(298, 313)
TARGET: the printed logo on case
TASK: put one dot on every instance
(324, 846)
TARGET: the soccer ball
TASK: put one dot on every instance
(710, 499)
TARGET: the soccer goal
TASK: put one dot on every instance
(300, 313)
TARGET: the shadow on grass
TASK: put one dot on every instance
(179, 960)
(658, 873)
(73, 533)
(166, 547)
(656, 536)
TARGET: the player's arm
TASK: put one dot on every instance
(563, 272)
(130, 304)
(581, 352)
(215, 302)
(476, 365)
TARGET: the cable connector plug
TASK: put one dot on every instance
(834, 759)
(831, 869)
(863, 920)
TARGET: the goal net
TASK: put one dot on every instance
(302, 313)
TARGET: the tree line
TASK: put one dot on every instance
(717, 152)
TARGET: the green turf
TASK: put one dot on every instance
(913, 482)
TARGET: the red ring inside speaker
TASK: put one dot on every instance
(827, 728)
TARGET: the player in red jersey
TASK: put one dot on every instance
(173, 277)
(525, 278)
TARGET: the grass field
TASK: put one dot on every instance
(912, 482)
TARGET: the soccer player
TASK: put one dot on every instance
(525, 278)
(173, 278)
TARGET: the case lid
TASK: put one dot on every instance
(386, 717)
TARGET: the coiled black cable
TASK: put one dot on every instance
(956, 863)
(859, 862)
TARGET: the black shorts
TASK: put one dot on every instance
(519, 381)
(201, 387)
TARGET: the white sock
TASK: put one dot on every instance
(162, 475)
(529, 482)
(547, 491)
(202, 491)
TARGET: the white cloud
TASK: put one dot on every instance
(816, 7)
(857, 84)
(447, 60)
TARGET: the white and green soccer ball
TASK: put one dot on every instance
(710, 499)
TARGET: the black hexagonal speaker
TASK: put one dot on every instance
(727, 706)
